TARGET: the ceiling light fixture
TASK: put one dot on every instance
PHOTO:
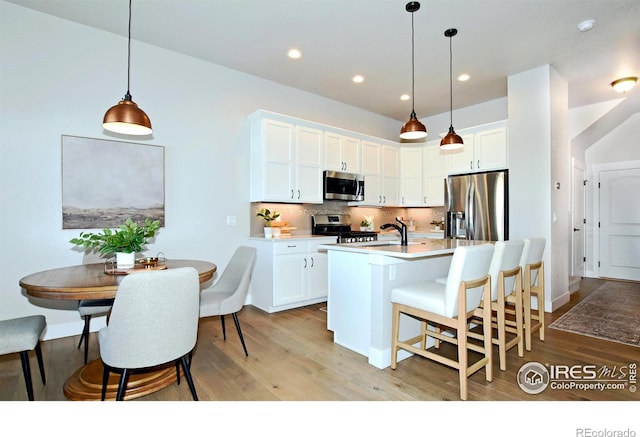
(625, 84)
(357, 79)
(413, 129)
(452, 140)
(294, 54)
(125, 117)
(586, 25)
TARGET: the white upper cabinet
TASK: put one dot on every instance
(371, 171)
(286, 161)
(485, 148)
(342, 153)
(411, 176)
(380, 167)
(390, 174)
(434, 166)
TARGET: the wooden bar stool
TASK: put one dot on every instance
(533, 288)
(506, 282)
(448, 307)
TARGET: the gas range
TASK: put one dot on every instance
(338, 225)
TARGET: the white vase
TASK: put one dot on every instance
(275, 232)
(125, 260)
(268, 232)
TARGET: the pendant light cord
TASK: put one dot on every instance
(413, 71)
(450, 82)
(129, 54)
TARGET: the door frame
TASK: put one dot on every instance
(597, 169)
(575, 192)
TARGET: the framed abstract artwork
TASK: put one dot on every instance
(104, 182)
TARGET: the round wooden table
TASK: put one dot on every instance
(89, 281)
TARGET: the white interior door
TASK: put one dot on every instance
(578, 221)
(619, 218)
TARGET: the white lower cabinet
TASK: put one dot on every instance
(289, 273)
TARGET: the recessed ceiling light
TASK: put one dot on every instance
(405, 97)
(586, 25)
(294, 54)
(357, 79)
(464, 77)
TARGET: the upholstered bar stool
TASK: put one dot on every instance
(533, 288)
(448, 307)
(22, 335)
(506, 282)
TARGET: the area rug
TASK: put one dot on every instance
(611, 312)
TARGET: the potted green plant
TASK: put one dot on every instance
(268, 216)
(367, 223)
(129, 239)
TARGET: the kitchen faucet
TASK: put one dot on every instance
(402, 229)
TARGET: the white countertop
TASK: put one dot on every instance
(290, 237)
(417, 248)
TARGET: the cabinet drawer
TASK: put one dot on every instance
(289, 247)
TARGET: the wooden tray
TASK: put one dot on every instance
(136, 269)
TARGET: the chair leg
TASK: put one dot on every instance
(178, 372)
(237, 322)
(187, 374)
(224, 331)
(462, 358)
(105, 381)
(85, 337)
(122, 386)
(395, 322)
(40, 363)
(26, 371)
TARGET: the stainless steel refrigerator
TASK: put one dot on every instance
(477, 206)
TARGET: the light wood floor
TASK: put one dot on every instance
(292, 357)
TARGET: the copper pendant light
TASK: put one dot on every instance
(413, 129)
(452, 140)
(126, 117)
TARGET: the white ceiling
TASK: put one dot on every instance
(341, 38)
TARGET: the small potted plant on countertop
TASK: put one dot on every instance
(124, 241)
(367, 223)
(268, 216)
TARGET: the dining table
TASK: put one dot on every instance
(98, 281)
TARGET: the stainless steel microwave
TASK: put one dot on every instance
(343, 186)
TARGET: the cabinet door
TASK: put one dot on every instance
(371, 172)
(279, 161)
(434, 165)
(317, 268)
(288, 279)
(490, 149)
(411, 176)
(351, 154)
(308, 165)
(461, 160)
(390, 180)
(332, 152)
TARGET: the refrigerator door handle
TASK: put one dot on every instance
(470, 209)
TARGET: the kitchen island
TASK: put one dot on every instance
(361, 277)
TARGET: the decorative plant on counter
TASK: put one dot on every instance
(128, 238)
(366, 221)
(267, 216)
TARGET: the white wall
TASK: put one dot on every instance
(530, 158)
(59, 78)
